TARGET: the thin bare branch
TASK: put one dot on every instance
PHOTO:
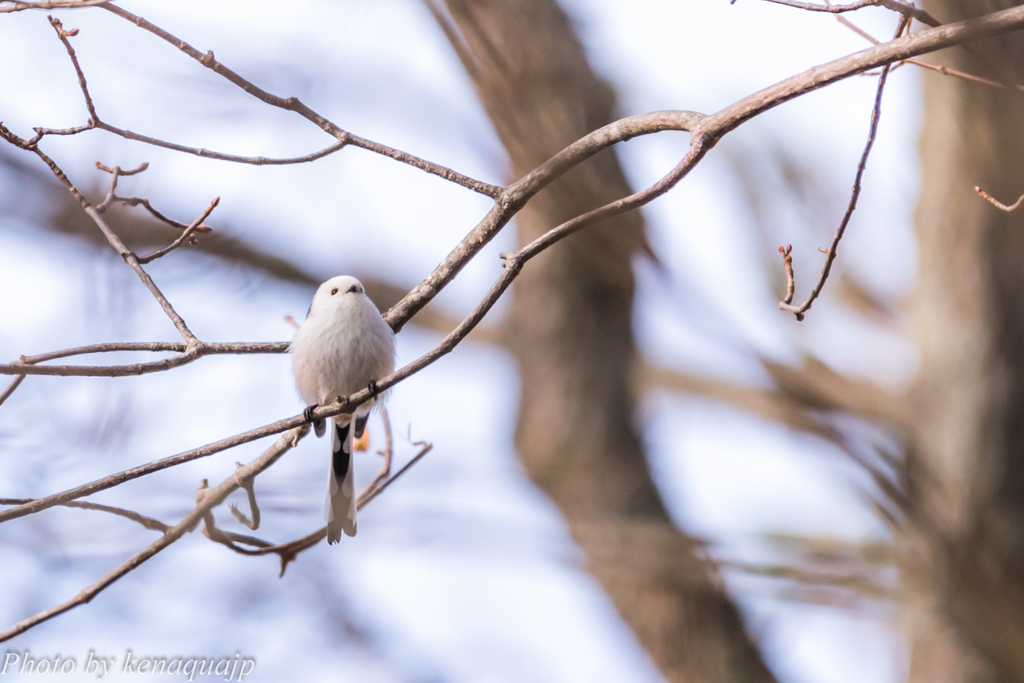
(998, 204)
(786, 304)
(343, 137)
(388, 453)
(375, 489)
(26, 364)
(787, 258)
(21, 368)
(148, 522)
(254, 509)
(18, 379)
(213, 498)
(142, 201)
(220, 156)
(105, 348)
(115, 242)
(186, 235)
(118, 171)
(189, 230)
(43, 132)
(51, 4)
(40, 504)
(289, 551)
(294, 104)
(116, 174)
(63, 35)
(944, 70)
(905, 8)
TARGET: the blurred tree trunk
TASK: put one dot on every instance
(964, 541)
(571, 332)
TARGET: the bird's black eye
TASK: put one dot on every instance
(353, 288)
(334, 291)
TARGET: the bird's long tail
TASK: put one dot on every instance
(340, 510)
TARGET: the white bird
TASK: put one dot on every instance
(343, 346)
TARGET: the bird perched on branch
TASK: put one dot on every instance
(343, 346)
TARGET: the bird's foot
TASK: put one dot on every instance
(318, 425)
(372, 386)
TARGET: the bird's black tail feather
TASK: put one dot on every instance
(340, 510)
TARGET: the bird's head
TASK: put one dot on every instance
(335, 293)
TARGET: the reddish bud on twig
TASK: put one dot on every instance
(998, 204)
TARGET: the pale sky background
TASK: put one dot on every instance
(463, 571)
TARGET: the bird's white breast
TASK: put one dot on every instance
(340, 349)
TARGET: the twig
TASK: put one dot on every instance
(250, 490)
(116, 174)
(115, 242)
(906, 9)
(387, 452)
(136, 201)
(294, 104)
(220, 156)
(213, 498)
(63, 35)
(52, 4)
(42, 132)
(186, 235)
(118, 171)
(343, 138)
(210, 529)
(370, 493)
(18, 379)
(287, 552)
(148, 522)
(26, 365)
(142, 201)
(40, 504)
(944, 70)
(786, 304)
(992, 200)
(787, 257)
